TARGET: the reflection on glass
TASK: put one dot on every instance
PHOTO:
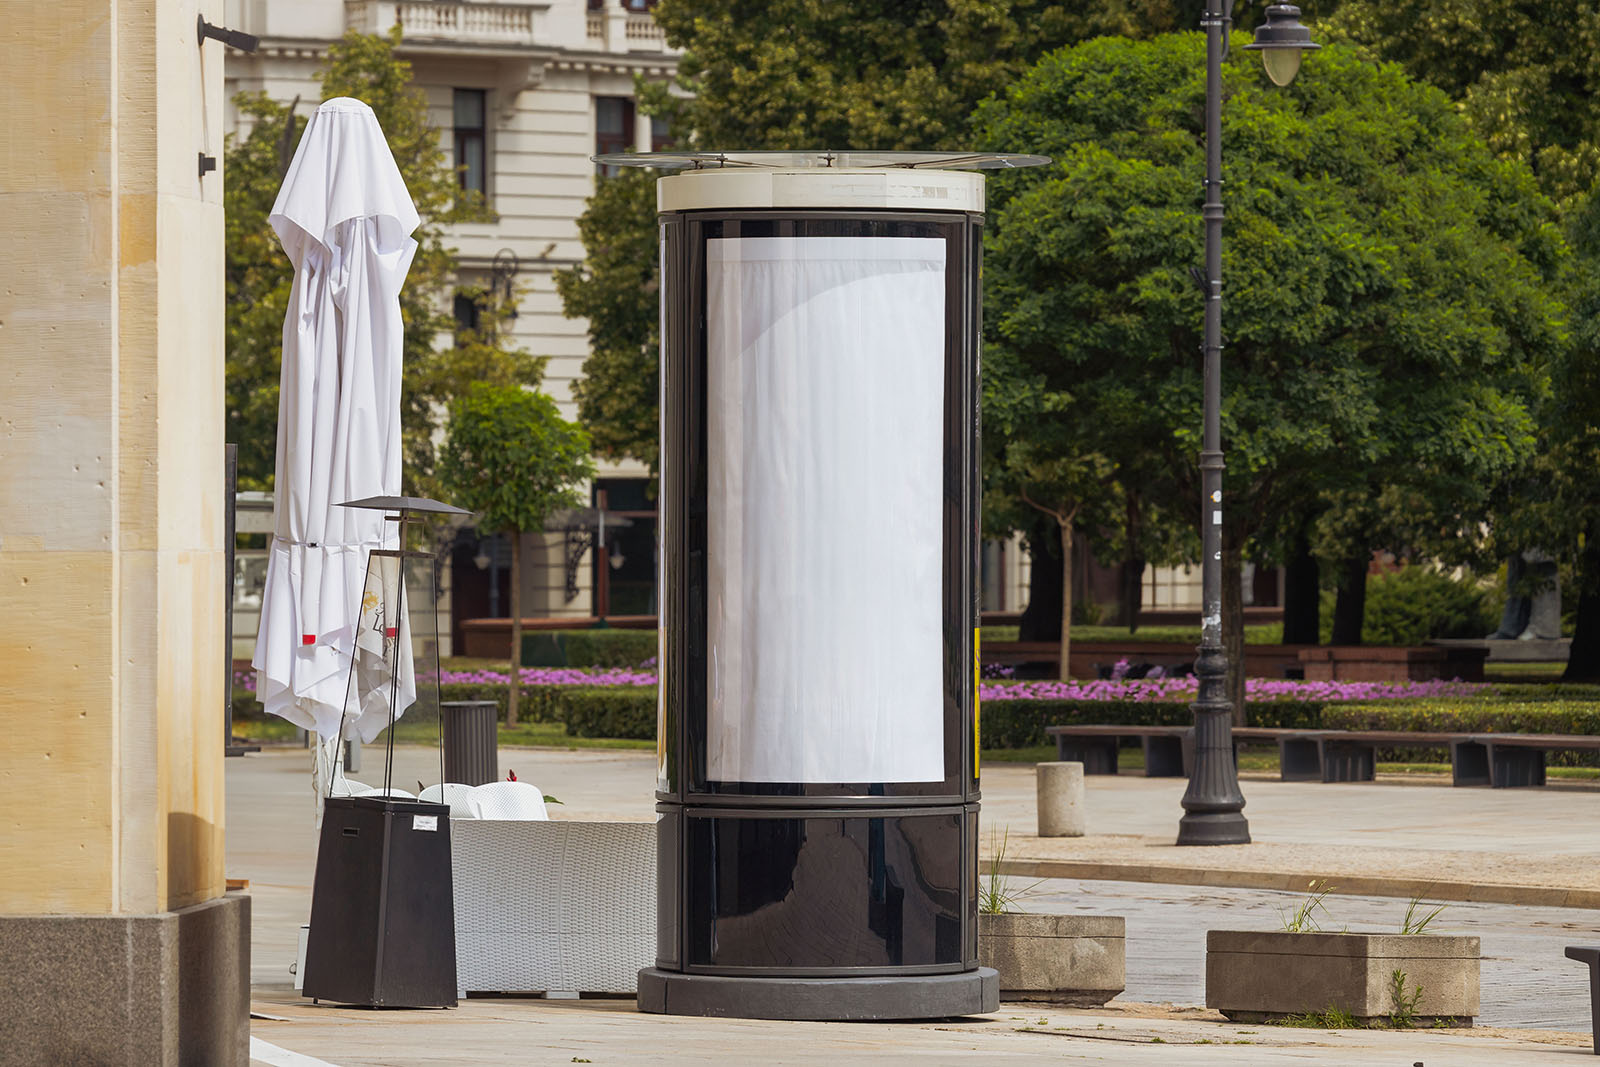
(793, 894)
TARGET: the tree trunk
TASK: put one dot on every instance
(1066, 599)
(1583, 660)
(1131, 580)
(1041, 619)
(516, 628)
(1350, 608)
(1233, 623)
(1302, 594)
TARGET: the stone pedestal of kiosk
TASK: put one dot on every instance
(818, 785)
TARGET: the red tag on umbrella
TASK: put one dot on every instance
(389, 631)
(308, 639)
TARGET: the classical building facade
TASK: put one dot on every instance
(523, 94)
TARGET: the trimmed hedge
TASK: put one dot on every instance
(1555, 716)
(610, 711)
(1021, 723)
(537, 703)
(590, 648)
(1476, 716)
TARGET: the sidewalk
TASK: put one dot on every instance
(1399, 837)
(540, 1032)
(1539, 846)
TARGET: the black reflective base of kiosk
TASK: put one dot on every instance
(933, 996)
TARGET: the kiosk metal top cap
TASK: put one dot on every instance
(822, 159)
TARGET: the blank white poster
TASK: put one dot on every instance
(824, 407)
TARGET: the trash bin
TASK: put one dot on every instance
(471, 741)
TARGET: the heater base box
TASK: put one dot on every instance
(383, 929)
(934, 996)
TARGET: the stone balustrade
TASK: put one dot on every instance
(431, 20)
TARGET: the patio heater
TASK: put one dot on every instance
(817, 790)
(382, 904)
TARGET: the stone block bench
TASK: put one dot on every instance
(1590, 954)
(1500, 761)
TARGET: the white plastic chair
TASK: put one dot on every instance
(377, 792)
(452, 793)
(513, 801)
(348, 787)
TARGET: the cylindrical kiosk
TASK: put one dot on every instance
(818, 772)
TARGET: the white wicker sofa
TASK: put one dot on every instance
(546, 906)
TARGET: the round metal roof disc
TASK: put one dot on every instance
(824, 159)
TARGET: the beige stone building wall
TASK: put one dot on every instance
(111, 459)
(542, 66)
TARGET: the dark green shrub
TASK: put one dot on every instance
(539, 703)
(609, 711)
(1412, 604)
(588, 648)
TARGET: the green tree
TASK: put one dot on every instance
(1388, 282)
(1523, 71)
(513, 459)
(799, 74)
(258, 275)
(616, 288)
(1524, 75)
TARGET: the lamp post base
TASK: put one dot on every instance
(1215, 828)
(926, 996)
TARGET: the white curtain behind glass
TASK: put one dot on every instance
(825, 396)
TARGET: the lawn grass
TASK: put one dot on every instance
(524, 734)
(1523, 672)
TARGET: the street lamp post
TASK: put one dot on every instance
(1213, 805)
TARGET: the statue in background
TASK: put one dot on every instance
(1536, 615)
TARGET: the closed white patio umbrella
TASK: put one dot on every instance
(345, 220)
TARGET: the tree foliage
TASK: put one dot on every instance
(1525, 77)
(799, 74)
(616, 288)
(1387, 279)
(513, 459)
(1523, 70)
(258, 274)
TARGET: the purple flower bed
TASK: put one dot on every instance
(554, 676)
(1255, 689)
(1115, 688)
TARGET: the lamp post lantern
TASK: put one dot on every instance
(1213, 805)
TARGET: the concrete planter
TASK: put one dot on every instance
(1066, 959)
(1252, 975)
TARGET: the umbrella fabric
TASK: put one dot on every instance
(345, 219)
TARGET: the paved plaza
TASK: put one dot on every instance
(1508, 886)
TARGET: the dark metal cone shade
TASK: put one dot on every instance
(1282, 40)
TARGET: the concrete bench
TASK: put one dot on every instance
(1498, 760)
(1591, 955)
(1096, 747)
(1505, 761)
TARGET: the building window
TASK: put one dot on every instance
(625, 565)
(638, 5)
(613, 127)
(471, 140)
(660, 138)
(468, 314)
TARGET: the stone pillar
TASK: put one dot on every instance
(1060, 799)
(111, 556)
